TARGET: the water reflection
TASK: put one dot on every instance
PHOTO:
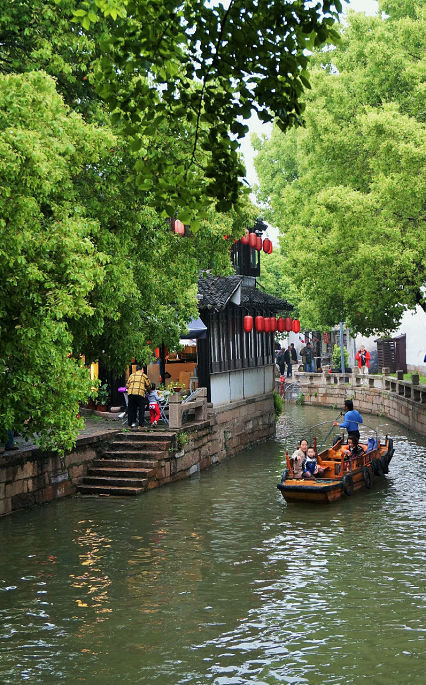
(218, 580)
(91, 583)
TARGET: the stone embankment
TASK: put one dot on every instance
(381, 395)
(117, 462)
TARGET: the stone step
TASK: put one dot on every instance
(109, 490)
(126, 463)
(151, 434)
(122, 445)
(137, 455)
(115, 481)
(121, 472)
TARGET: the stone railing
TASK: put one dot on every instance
(410, 390)
(195, 404)
(400, 400)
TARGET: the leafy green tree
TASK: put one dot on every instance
(160, 87)
(205, 66)
(48, 259)
(348, 191)
(147, 267)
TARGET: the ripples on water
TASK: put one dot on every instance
(217, 580)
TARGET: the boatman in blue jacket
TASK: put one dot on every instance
(351, 420)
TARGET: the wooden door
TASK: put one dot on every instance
(401, 353)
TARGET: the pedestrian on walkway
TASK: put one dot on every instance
(308, 358)
(363, 358)
(137, 386)
(287, 360)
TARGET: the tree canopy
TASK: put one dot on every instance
(348, 190)
(48, 258)
(118, 115)
(204, 66)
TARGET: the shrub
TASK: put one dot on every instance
(278, 405)
(337, 359)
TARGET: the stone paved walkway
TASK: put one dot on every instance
(94, 426)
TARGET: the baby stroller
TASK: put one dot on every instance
(124, 413)
(164, 404)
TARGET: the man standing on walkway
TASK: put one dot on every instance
(350, 420)
(308, 358)
(287, 361)
(137, 385)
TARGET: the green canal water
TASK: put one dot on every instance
(217, 580)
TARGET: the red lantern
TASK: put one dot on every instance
(273, 324)
(288, 324)
(253, 240)
(267, 324)
(245, 238)
(259, 322)
(179, 228)
(296, 326)
(258, 243)
(281, 325)
(157, 352)
(248, 323)
(266, 245)
(270, 249)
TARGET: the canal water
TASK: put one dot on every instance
(217, 580)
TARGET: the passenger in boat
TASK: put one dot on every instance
(351, 420)
(298, 459)
(312, 468)
(354, 450)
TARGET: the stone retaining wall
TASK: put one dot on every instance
(229, 429)
(30, 477)
(381, 395)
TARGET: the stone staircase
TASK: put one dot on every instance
(131, 465)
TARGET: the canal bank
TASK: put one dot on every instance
(216, 580)
(30, 477)
(379, 395)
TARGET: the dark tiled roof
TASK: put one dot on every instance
(254, 297)
(216, 291)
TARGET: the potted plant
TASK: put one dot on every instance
(102, 397)
(336, 360)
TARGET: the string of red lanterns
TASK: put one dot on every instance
(255, 241)
(270, 324)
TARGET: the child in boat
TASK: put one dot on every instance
(353, 450)
(298, 458)
(312, 468)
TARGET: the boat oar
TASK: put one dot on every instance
(328, 434)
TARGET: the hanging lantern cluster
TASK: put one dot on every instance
(255, 241)
(270, 324)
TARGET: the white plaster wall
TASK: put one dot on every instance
(269, 378)
(254, 382)
(237, 385)
(220, 388)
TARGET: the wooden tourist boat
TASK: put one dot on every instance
(342, 475)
